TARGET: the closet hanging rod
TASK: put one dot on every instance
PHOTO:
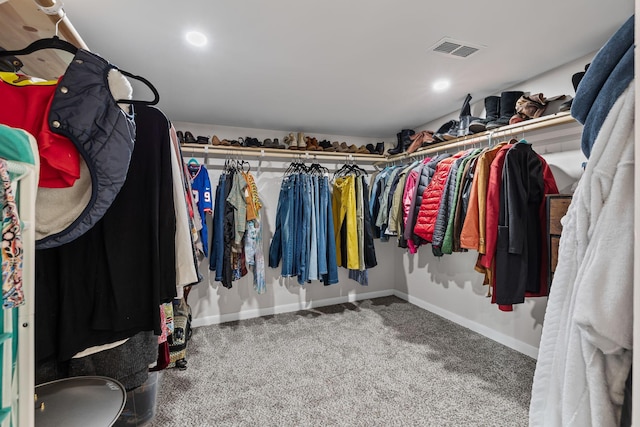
(278, 153)
(65, 29)
(522, 127)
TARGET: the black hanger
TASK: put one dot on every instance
(56, 42)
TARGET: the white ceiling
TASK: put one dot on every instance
(353, 68)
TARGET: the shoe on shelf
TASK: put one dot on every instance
(465, 117)
(419, 140)
(379, 149)
(492, 111)
(363, 149)
(452, 132)
(508, 102)
(439, 134)
(180, 136)
(215, 140)
(404, 141)
(202, 140)
(189, 138)
(251, 142)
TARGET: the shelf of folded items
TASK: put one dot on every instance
(517, 130)
(222, 151)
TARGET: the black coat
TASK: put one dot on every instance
(519, 246)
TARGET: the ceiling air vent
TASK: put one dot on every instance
(455, 48)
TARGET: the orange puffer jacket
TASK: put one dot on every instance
(431, 198)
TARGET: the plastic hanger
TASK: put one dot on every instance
(56, 42)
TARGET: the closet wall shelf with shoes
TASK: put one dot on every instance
(517, 130)
(276, 153)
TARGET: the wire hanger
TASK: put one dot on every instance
(55, 42)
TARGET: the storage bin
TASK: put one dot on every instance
(140, 407)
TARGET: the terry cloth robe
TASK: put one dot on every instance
(586, 346)
(585, 349)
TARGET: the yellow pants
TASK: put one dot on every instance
(344, 212)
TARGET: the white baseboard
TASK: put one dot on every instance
(511, 342)
(287, 308)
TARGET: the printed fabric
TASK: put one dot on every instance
(12, 251)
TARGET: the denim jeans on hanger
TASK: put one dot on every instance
(217, 241)
(313, 231)
(322, 217)
(282, 242)
(304, 230)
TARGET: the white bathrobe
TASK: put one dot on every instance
(585, 350)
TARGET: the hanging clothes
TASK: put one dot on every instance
(304, 238)
(253, 236)
(519, 238)
(236, 241)
(186, 263)
(201, 190)
(432, 198)
(128, 257)
(11, 253)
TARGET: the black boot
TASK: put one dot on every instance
(379, 148)
(507, 108)
(492, 108)
(465, 117)
(403, 141)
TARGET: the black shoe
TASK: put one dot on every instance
(379, 148)
(202, 140)
(325, 144)
(180, 136)
(492, 111)
(251, 142)
(465, 117)
(404, 141)
(508, 102)
(189, 138)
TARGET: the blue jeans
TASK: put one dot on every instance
(303, 231)
(217, 240)
(315, 205)
(282, 242)
(332, 262)
(322, 225)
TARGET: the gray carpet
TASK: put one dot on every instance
(379, 362)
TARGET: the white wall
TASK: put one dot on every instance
(448, 286)
(213, 303)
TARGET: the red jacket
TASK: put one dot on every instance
(431, 198)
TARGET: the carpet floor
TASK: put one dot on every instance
(378, 362)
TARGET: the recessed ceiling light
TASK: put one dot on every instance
(196, 38)
(441, 85)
